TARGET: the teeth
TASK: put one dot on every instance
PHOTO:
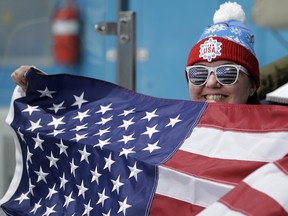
(214, 97)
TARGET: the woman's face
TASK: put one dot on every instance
(213, 91)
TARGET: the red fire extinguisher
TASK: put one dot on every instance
(65, 30)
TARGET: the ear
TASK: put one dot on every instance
(252, 89)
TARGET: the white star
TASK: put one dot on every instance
(21, 135)
(127, 112)
(150, 131)
(126, 139)
(51, 192)
(68, 200)
(150, 115)
(57, 132)
(29, 155)
(108, 213)
(38, 142)
(82, 115)
(46, 92)
(102, 198)
(174, 121)
(22, 197)
(63, 181)
(95, 175)
(80, 127)
(123, 206)
(108, 162)
(53, 160)
(134, 171)
(126, 151)
(36, 206)
(31, 109)
(79, 137)
(79, 100)
(34, 125)
(56, 122)
(31, 187)
(57, 107)
(104, 109)
(117, 184)
(62, 148)
(49, 210)
(126, 124)
(104, 120)
(102, 143)
(101, 132)
(41, 175)
(82, 189)
(73, 167)
(88, 208)
(152, 147)
(84, 154)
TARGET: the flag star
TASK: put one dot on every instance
(21, 135)
(126, 123)
(31, 109)
(63, 181)
(82, 189)
(29, 155)
(126, 151)
(79, 100)
(117, 184)
(57, 107)
(134, 171)
(123, 206)
(108, 213)
(104, 109)
(82, 115)
(57, 132)
(36, 207)
(102, 197)
(150, 115)
(152, 147)
(104, 120)
(73, 167)
(41, 175)
(79, 137)
(51, 192)
(56, 122)
(102, 132)
(80, 127)
(38, 142)
(150, 131)
(68, 200)
(174, 121)
(62, 148)
(22, 197)
(127, 112)
(102, 143)
(126, 139)
(34, 125)
(31, 187)
(49, 210)
(108, 162)
(84, 154)
(53, 160)
(46, 92)
(95, 175)
(88, 209)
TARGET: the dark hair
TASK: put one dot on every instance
(254, 99)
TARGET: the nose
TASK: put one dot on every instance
(212, 81)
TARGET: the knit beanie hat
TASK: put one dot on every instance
(227, 39)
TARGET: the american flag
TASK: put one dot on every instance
(88, 147)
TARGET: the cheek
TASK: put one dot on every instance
(195, 92)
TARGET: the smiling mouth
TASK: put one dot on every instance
(214, 97)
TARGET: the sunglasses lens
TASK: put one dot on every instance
(226, 75)
(198, 75)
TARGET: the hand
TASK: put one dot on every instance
(18, 76)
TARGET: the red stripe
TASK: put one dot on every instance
(252, 202)
(166, 206)
(220, 170)
(237, 117)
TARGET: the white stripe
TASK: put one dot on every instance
(211, 142)
(189, 189)
(270, 180)
(220, 210)
(65, 27)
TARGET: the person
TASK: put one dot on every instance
(221, 67)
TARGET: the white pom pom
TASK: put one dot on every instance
(229, 11)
